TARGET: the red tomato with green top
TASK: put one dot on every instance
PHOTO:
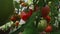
(24, 16)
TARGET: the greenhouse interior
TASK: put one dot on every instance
(29, 16)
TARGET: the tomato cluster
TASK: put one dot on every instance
(45, 11)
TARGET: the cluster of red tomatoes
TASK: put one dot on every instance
(45, 12)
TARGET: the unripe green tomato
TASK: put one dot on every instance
(42, 25)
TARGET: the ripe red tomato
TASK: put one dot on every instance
(48, 18)
(45, 10)
(24, 16)
(13, 18)
(48, 28)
